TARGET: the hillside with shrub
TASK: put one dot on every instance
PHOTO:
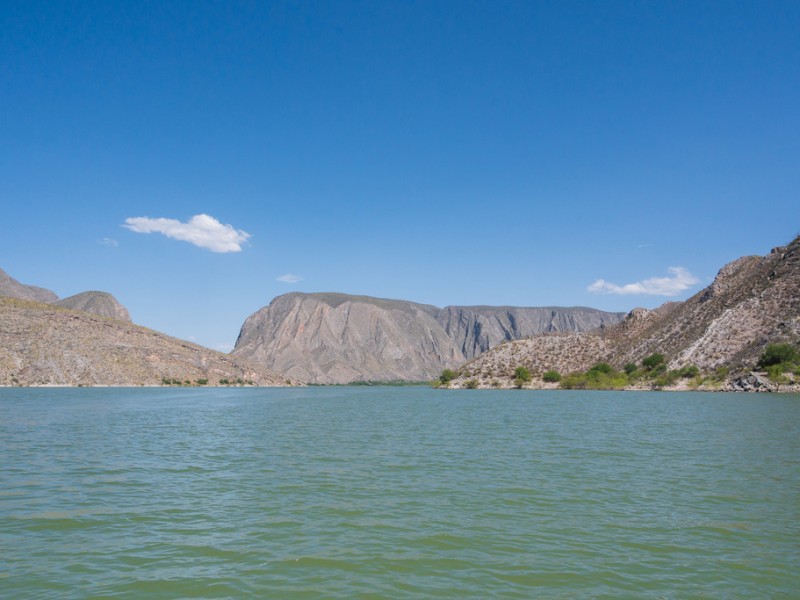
(741, 332)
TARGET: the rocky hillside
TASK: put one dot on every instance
(12, 288)
(753, 301)
(44, 344)
(337, 338)
(98, 303)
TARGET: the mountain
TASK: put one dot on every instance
(339, 338)
(14, 289)
(45, 344)
(98, 303)
(475, 329)
(753, 301)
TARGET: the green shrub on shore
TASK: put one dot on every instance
(522, 375)
(447, 376)
(776, 354)
(653, 362)
(551, 376)
(601, 376)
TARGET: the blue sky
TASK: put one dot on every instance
(442, 152)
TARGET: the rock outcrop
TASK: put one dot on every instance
(12, 288)
(98, 303)
(338, 338)
(753, 301)
(44, 344)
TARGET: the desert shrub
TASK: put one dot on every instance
(776, 354)
(551, 376)
(472, 384)
(775, 373)
(201, 381)
(600, 369)
(630, 369)
(653, 361)
(447, 376)
(522, 375)
(574, 381)
(689, 371)
(666, 379)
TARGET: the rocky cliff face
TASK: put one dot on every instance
(754, 301)
(43, 344)
(98, 303)
(475, 329)
(337, 338)
(12, 288)
(334, 338)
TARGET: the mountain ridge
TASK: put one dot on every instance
(330, 337)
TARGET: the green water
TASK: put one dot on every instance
(397, 493)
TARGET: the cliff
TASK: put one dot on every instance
(338, 338)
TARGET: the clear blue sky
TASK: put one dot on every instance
(442, 152)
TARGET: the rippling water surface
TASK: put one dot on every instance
(397, 492)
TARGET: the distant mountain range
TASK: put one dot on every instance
(88, 339)
(339, 338)
(99, 303)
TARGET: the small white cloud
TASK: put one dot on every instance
(201, 230)
(679, 280)
(106, 241)
(289, 278)
(224, 347)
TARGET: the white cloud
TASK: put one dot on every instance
(289, 278)
(107, 241)
(679, 280)
(201, 230)
(224, 347)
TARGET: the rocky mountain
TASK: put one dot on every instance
(475, 329)
(45, 344)
(753, 301)
(338, 338)
(14, 289)
(98, 303)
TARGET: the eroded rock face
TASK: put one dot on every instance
(98, 303)
(477, 328)
(333, 338)
(338, 338)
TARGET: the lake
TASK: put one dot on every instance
(359, 492)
